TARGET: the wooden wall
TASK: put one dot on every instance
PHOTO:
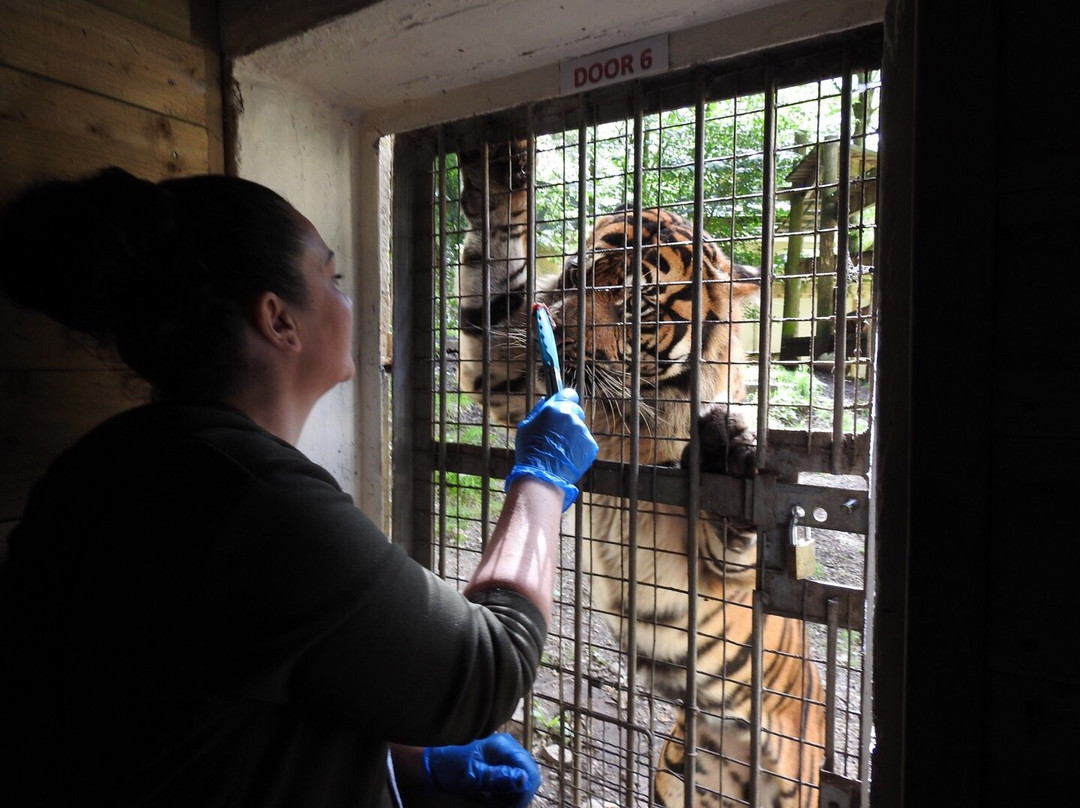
(83, 85)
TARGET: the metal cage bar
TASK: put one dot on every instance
(579, 549)
(840, 306)
(485, 249)
(768, 226)
(633, 471)
(443, 270)
(693, 498)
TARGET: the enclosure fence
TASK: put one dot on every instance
(771, 162)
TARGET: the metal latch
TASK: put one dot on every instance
(801, 561)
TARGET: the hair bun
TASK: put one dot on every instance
(73, 249)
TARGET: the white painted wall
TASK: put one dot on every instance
(290, 141)
(373, 307)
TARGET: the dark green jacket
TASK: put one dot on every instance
(194, 614)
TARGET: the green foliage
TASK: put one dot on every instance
(798, 399)
(464, 497)
(455, 534)
(848, 642)
(462, 420)
(464, 492)
(731, 170)
(558, 726)
(732, 166)
(449, 235)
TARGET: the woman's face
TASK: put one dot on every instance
(327, 319)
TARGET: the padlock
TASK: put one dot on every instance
(801, 561)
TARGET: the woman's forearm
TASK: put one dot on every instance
(524, 546)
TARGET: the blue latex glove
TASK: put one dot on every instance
(553, 444)
(495, 770)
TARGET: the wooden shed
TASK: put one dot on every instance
(974, 695)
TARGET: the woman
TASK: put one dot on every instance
(193, 612)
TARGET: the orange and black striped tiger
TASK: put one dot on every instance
(793, 722)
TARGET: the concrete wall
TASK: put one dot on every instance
(289, 141)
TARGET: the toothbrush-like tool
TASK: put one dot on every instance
(545, 347)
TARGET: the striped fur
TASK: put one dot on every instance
(600, 295)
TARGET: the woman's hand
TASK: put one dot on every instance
(553, 444)
(495, 770)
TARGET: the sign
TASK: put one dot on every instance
(646, 57)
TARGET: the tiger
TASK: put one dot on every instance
(792, 743)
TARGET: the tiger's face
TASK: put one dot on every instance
(601, 295)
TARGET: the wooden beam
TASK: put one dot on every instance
(107, 53)
(50, 130)
(171, 17)
(44, 412)
(53, 130)
(247, 25)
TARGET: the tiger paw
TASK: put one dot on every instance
(508, 170)
(727, 443)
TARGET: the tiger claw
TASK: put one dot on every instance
(727, 444)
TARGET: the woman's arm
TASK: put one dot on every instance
(552, 449)
(525, 544)
(340, 619)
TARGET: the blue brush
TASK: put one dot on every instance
(545, 346)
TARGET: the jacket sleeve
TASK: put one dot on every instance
(309, 604)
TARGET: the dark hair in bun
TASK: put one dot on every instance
(162, 271)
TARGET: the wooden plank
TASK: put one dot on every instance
(247, 25)
(172, 17)
(194, 21)
(53, 130)
(42, 413)
(49, 130)
(31, 341)
(99, 50)
(215, 115)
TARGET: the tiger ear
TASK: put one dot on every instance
(746, 284)
(745, 272)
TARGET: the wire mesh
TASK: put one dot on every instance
(757, 175)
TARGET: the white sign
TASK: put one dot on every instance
(646, 57)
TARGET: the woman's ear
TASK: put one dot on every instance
(274, 322)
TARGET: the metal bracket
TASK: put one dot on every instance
(842, 509)
(839, 792)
